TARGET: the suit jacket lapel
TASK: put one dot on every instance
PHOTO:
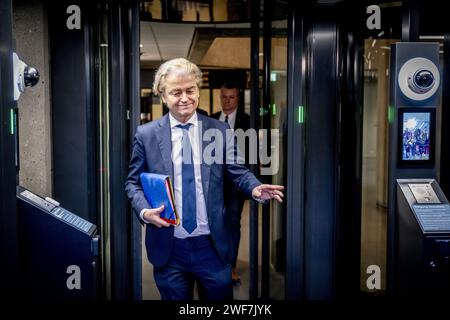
(237, 121)
(205, 168)
(165, 144)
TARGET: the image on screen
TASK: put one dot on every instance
(416, 136)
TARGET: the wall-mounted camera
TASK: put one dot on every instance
(24, 76)
(419, 79)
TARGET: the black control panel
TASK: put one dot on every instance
(422, 266)
(58, 250)
(58, 212)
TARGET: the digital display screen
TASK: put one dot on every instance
(417, 135)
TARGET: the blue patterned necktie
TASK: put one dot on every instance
(189, 211)
(226, 119)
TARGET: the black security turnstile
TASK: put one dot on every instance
(417, 231)
(58, 250)
(423, 252)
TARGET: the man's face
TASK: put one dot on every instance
(229, 99)
(181, 96)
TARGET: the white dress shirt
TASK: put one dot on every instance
(231, 118)
(194, 137)
(177, 137)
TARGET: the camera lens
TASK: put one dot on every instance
(422, 81)
(31, 76)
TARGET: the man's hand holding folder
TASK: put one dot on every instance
(159, 193)
(153, 216)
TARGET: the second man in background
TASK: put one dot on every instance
(234, 200)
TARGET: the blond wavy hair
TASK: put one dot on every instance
(177, 66)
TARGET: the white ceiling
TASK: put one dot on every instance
(162, 41)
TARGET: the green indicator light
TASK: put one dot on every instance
(11, 113)
(273, 77)
(274, 109)
(300, 114)
(391, 114)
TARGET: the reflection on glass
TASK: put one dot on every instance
(204, 11)
(375, 158)
(196, 10)
(103, 143)
(277, 113)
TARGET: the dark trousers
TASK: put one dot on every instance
(194, 260)
(235, 207)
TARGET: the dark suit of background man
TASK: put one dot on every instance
(200, 248)
(234, 200)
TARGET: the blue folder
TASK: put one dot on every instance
(158, 191)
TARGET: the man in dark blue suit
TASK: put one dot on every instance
(200, 248)
(234, 200)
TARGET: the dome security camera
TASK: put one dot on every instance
(419, 79)
(24, 76)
